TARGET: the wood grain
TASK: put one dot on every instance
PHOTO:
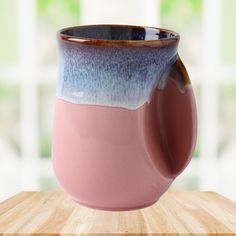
(176, 213)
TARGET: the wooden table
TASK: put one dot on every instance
(176, 213)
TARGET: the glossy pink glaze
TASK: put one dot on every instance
(119, 159)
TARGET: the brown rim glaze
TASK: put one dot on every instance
(174, 39)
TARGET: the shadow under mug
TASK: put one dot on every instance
(125, 115)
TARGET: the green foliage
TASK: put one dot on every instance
(56, 12)
(180, 13)
(228, 92)
(48, 183)
(45, 146)
(8, 31)
(9, 92)
(227, 115)
(196, 153)
(9, 110)
(228, 31)
(168, 7)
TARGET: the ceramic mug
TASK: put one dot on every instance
(125, 115)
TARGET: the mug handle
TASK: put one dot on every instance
(177, 118)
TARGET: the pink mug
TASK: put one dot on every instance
(125, 116)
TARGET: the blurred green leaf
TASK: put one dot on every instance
(228, 92)
(9, 92)
(180, 13)
(196, 153)
(8, 32)
(228, 32)
(9, 118)
(56, 12)
(45, 146)
(48, 183)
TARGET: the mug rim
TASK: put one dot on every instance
(166, 41)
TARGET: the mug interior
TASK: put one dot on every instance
(118, 32)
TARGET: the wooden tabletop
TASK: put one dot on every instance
(176, 213)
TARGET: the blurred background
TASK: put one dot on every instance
(28, 72)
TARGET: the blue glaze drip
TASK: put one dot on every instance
(112, 76)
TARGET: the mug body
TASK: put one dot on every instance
(102, 159)
(118, 118)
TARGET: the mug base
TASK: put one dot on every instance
(96, 207)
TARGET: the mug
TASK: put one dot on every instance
(125, 115)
